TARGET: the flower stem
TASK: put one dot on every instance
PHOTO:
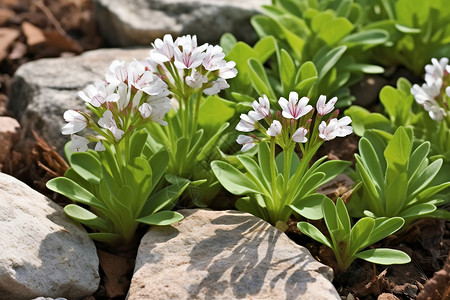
(273, 176)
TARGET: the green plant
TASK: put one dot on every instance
(418, 31)
(119, 181)
(275, 187)
(396, 179)
(347, 242)
(317, 50)
(120, 193)
(197, 125)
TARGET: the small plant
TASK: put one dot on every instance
(428, 116)
(397, 180)
(119, 181)
(197, 124)
(347, 242)
(319, 49)
(275, 187)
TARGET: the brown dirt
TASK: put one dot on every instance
(33, 29)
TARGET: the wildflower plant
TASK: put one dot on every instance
(193, 74)
(423, 108)
(276, 186)
(347, 242)
(398, 180)
(119, 180)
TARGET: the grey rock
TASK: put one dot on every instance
(42, 252)
(48, 298)
(42, 90)
(139, 22)
(226, 255)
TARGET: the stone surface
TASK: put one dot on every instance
(226, 255)
(42, 90)
(42, 252)
(9, 135)
(139, 22)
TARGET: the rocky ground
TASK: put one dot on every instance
(35, 29)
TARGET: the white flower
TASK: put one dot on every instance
(146, 110)
(435, 112)
(98, 93)
(214, 58)
(99, 146)
(108, 122)
(246, 124)
(335, 128)
(76, 122)
(427, 91)
(292, 110)
(299, 135)
(246, 141)
(163, 50)
(188, 42)
(228, 71)
(447, 90)
(189, 60)
(79, 144)
(275, 128)
(144, 80)
(261, 108)
(117, 73)
(196, 80)
(437, 69)
(322, 108)
(217, 86)
(124, 95)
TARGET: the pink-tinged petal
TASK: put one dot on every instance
(76, 122)
(145, 110)
(79, 144)
(275, 128)
(325, 108)
(246, 141)
(299, 135)
(99, 146)
(261, 108)
(246, 124)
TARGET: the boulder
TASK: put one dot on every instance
(226, 255)
(42, 251)
(139, 22)
(42, 90)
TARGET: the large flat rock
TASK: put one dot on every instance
(139, 22)
(226, 255)
(42, 252)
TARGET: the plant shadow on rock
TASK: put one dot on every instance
(248, 267)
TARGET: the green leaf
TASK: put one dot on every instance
(334, 30)
(417, 211)
(383, 228)
(330, 215)
(227, 42)
(87, 166)
(371, 163)
(86, 217)
(137, 143)
(371, 37)
(406, 29)
(264, 161)
(232, 179)
(164, 199)
(329, 60)
(313, 233)
(259, 79)
(417, 158)
(310, 206)
(287, 70)
(74, 192)
(359, 233)
(105, 237)
(158, 162)
(254, 206)
(264, 48)
(358, 115)
(161, 218)
(397, 154)
(421, 181)
(383, 256)
(343, 216)
(214, 112)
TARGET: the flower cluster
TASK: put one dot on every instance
(188, 68)
(130, 97)
(293, 123)
(434, 94)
